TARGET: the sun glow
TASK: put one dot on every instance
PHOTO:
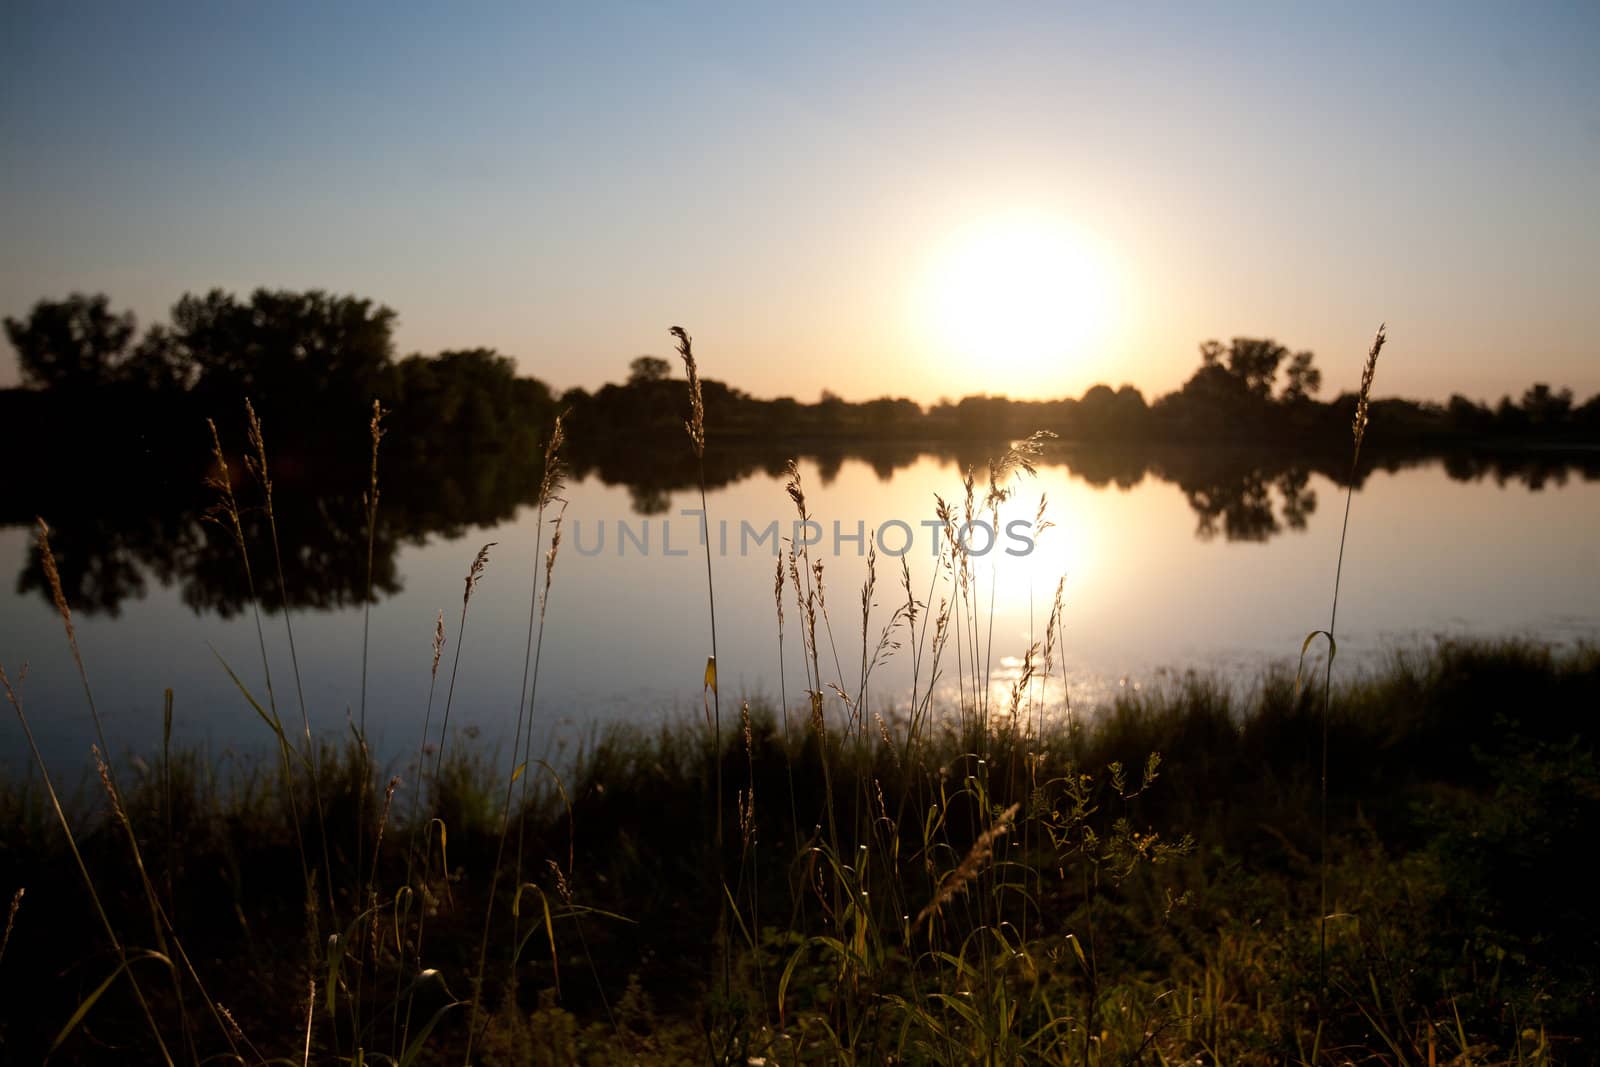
(1014, 301)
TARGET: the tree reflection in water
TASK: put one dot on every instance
(146, 526)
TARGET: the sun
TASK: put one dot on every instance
(1015, 300)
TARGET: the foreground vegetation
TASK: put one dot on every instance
(1464, 777)
(968, 871)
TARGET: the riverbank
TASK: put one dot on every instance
(880, 893)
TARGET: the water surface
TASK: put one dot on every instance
(1170, 563)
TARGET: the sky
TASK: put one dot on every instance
(923, 201)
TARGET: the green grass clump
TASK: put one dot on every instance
(1463, 774)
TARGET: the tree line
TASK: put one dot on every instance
(315, 361)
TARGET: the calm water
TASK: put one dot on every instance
(1168, 566)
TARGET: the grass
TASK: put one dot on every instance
(1184, 875)
(1455, 782)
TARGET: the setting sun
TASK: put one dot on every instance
(1018, 296)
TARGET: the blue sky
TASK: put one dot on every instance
(566, 183)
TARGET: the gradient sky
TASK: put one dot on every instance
(566, 184)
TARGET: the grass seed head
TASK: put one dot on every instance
(257, 464)
(972, 865)
(479, 562)
(104, 771)
(553, 480)
(438, 641)
(376, 430)
(696, 424)
(792, 486)
(221, 480)
(1359, 425)
(52, 575)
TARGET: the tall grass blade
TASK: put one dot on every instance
(88, 1003)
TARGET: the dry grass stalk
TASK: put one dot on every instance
(83, 869)
(11, 919)
(563, 887)
(869, 586)
(1040, 523)
(696, 424)
(972, 865)
(553, 480)
(777, 593)
(105, 781)
(257, 464)
(383, 819)
(1359, 425)
(1052, 629)
(53, 577)
(221, 479)
(550, 484)
(1359, 430)
(883, 735)
(883, 805)
(233, 1024)
(311, 1007)
(807, 604)
(1019, 688)
(374, 939)
(52, 574)
(370, 498)
(791, 485)
(550, 558)
(475, 572)
(377, 433)
(745, 801)
(438, 643)
(911, 606)
(1017, 459)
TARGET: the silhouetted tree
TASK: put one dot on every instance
(469, 397)
(1303, 379)
(313, 362)
(72, 344)
(1587, 416)
(1545, 408)
(157, 364)
(648, 369)
(1212, 405)
(285, 348)
(1509, 418)
(830, 411)
(887, 415)
(1255, 363)
(1468, 418)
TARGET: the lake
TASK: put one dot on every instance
(1172, 561)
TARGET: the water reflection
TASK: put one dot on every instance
(150, 527)
(1248, 506)
(109, 546)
